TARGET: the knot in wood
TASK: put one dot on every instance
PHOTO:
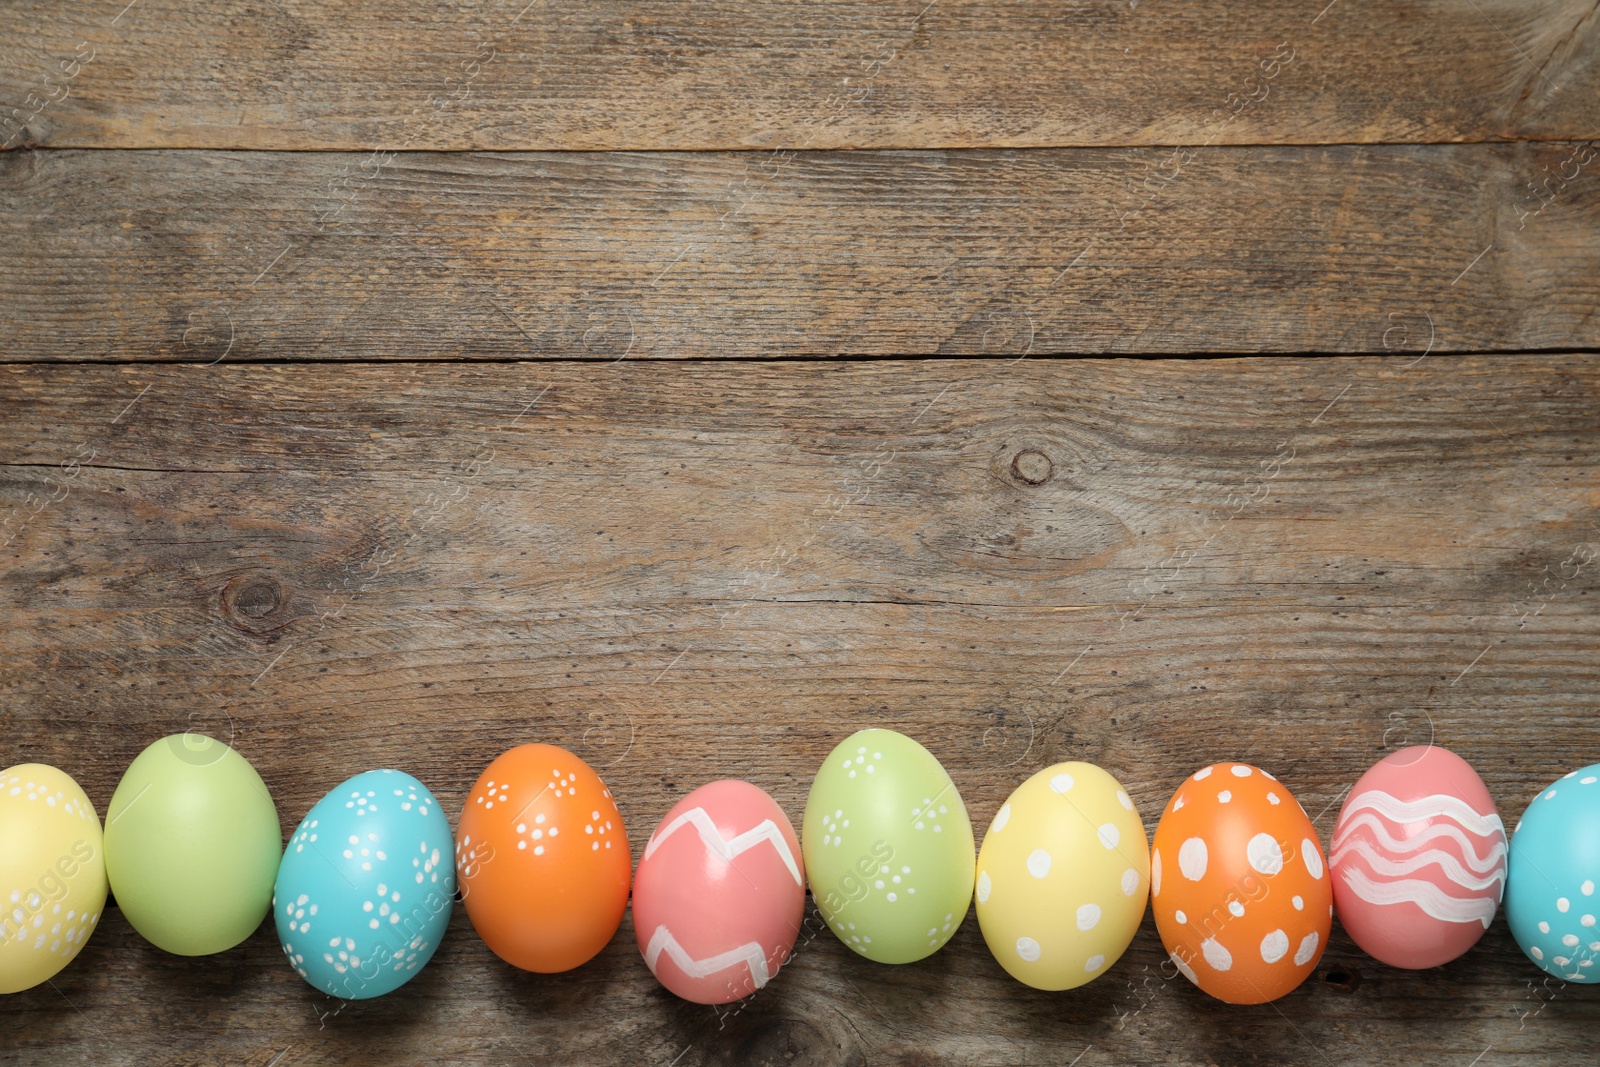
(1032, 467)
(255, 603)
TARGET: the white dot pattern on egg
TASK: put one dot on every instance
(53, 893)
(1550, 886)
(888, 847)
(1247, 864)
(1193, 859)
(1039, 863)
(364, 894)
(1274, 946)
(1264, 854)
(1064, 875)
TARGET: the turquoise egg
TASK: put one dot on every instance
(1551, 900)
(366, 886)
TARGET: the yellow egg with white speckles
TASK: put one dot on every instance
(52, 873)
(1063, 877)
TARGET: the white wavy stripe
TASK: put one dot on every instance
(727, 849)
(1469, 851)
(1428, 807)
(750, 954)
(1425, 895)
(1451, 866)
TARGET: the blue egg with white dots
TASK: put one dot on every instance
(366, 885)
(1554, 869)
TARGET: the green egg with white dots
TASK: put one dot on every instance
(888, 847)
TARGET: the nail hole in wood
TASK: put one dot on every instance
(1342, 980)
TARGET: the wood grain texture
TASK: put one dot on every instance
(509, 74)
(225, 506)
(206, 256)
(692, 571)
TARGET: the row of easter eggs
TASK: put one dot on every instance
(1242, 890)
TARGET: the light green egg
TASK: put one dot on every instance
(888, 847)
(192, 845)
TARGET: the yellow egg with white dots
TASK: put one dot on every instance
(1063, 877)
(52, 873)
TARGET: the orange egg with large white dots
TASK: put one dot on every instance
(542, 859)
(1239, 885)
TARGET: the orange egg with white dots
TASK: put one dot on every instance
(1239, 885)
(542, 859)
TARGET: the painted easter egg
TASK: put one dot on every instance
(192, 845)
(1239, 885)
(719, 894)
(365, 888)
(888, 847)
(1551, 902)
(1063, 877)
(1418, 858)
(52, 873)
(543, 859)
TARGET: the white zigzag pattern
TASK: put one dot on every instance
(1481, 864)
(766, 831)
(1425, 895)
(1482, 876)
(750, 954)
(1451, 866)
(1454, 808)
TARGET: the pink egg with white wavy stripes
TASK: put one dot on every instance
(719, 893)
(1418, 858)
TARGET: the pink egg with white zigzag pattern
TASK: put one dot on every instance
(1418, 858)
(719, 893)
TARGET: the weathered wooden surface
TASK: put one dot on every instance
(427, 485)
(510, 74)
(228, 256)
(692, 571)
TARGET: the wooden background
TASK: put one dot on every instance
(693, 384)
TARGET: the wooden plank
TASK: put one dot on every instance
(686, 574)
(508, 74)
(210, 256)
